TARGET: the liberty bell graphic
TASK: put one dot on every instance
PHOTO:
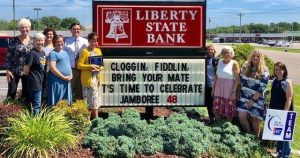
(116, 19)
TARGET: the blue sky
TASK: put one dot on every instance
(225, 12)
(221, 12)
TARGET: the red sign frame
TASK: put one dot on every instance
(150, 26)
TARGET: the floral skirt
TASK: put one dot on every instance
(92, 96)
(222, 94)
(225, 107)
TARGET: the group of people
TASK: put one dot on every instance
(52, 67)
(58, 68)
(234, 92)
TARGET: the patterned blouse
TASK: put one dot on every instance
(249, 86)
(17, 51)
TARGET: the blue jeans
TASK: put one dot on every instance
(36, 100)
(284, 149)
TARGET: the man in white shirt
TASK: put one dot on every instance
(74, 46)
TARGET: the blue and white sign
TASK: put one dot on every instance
(279, 125)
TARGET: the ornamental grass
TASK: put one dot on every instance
(30, 136)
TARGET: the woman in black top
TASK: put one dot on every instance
(35, 69)
(18, 48)
(211, 67)
(282, 99)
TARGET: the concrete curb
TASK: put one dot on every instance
(2, 72)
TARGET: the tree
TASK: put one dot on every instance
(66, 22)
(296, 26)
(3, 25)
(51, 22)
(12, 25)
(34, 25)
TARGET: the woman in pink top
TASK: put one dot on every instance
(225, 85)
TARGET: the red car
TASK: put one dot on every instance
(4, 40)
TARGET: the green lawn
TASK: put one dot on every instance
(291, 50)
(296, 142)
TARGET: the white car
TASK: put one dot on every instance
(282, 44)
(271, 43)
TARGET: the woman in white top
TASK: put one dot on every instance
(48, 47)
(225, 85)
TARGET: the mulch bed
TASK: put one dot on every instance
(158, 155)
(76, 153)
(7, 111)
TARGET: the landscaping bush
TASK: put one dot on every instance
(77, 113)
(30, 136)
(198, 113)
(230, 142)
(128, 135)
(242, 53)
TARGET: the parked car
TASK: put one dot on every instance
(4, 40)
(282, 44)
(265, 42)
(271, 43)
(238, 41)
(218, 40)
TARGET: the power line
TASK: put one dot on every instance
(251, 13)
(47, 6)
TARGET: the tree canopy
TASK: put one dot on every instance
(258, 28)
(44, 22)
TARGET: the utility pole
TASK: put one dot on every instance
(209, 21)
(37, 16)
(292, 35)
(232, 34)
(14, 16)
(240, 14)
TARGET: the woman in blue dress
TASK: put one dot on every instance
(254, 79)
(60, 74)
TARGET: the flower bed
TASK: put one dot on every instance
(175, 134)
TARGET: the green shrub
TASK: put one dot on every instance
(191, 111)
(229, 142)
(125, 147)
(242, 53)
(128, 135)
(102, 146)
(149, 145)
(47, 133)
(77, 113)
